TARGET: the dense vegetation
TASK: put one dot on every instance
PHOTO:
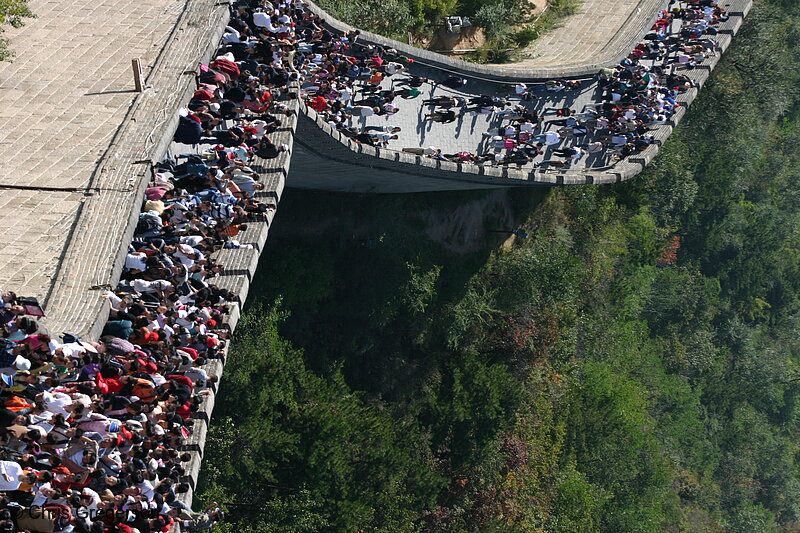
(630, 367)
(12, 12)
(509, 25)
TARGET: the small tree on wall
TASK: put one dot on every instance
(12, 12)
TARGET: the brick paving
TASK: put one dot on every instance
(61, 100)
(38, 224)
(70, 84)
(71, 131)
(600, 31)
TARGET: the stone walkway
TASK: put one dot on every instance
(469, 133)
(598, 33)
(72, 129)
(61, 101)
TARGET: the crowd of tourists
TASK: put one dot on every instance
(634, 96)
(343, 81)
(268, 48)
(91, 431)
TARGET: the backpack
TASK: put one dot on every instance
(226, 67)
(146, 223)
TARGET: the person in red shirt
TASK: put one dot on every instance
(318, 104)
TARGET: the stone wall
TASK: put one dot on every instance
(356, 167)
(317, 140)
(240, 267)
(240, 264)
(620, 45)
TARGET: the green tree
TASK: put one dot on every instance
(12, 12)
(361, 467)
(611, 438)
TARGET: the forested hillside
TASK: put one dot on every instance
(631, 366)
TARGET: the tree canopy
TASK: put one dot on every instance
(632, 366)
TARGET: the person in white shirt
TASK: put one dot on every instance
(10, 474)
(231, 35)
(345, 94)
(383, 138)
(392, 68)
(136, 261)
(363, 111)
(142, 286)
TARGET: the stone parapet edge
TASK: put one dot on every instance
(353, 152)
(118, 182)
(511, 73)
(239, 272)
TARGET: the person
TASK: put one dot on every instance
(593, 147)
(574, 153)
(516, 157)
(440, 101)
(366, 138)
(391, 68)
(409, 93)
(318, 104)
(190, 521)
(189, 131)
(454, 82)
(382, 138)
(382, 129)
(484, 100)
(430, 151)
(550, 138)
(268, 150)
(413, 81)
(364, 110)
(246, 183)
(445, 117)
(554, 85)
(11, 474)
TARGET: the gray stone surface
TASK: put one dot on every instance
(601, 32)
(112, 191)
(62, 99)
(390, 170)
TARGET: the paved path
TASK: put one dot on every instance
(598, 33)
(70, 84)
(61, 100)
(471, 132)
(71, 131)
(468, 133)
